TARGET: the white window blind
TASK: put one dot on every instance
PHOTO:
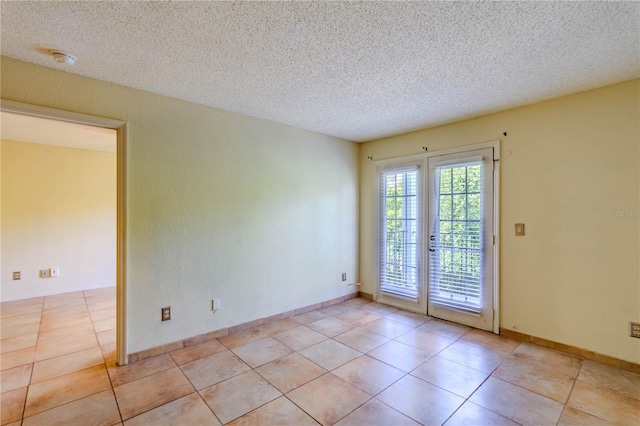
(455, 258)
(399, 243)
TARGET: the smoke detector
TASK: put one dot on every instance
(62, 57)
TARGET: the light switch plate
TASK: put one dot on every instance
(519, 229)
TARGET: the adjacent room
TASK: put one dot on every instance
(348, 213)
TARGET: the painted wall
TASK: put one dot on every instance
(59, 210)
(571, 172)
(261, 215)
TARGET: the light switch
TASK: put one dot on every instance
(519, 229)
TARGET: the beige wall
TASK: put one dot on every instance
(261, 215)
(568, 166)
(58, 210)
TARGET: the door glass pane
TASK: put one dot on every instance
(399, 257)
(456, 257)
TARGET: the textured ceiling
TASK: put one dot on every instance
(355, 70)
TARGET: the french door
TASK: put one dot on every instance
(436, 236)
(460, 238)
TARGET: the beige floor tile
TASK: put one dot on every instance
(100, 306)
(201, 350)
(19, 342)
(22, 303)
(422, 401)
(64, 347)
(328, 398)
(151, 391)
(278, 326)
(105, 324)
(308, 317)
(58, 334)
(445, 328)
(621, 381)
(408, 318)
(379, 309)
(50, 305)
(361, 339)
(15, 378)
(239, 395)
(358, 317)
(20, 310)
(19, 330)
(102, 291)
(60, 366)
(471, 414)
(280, 411)
(476, 357)
(17, 358)
(451, 376)
(356, 303)
(369, 374)
(299, 337)
(137, 370)
(241, 338)
(388, 327)
(334, 310)
(290, 372)
(329, 354)
(188, 410)
(12, 405)
(212, 369)
(485, 339)
(261, 351)
(330, 326)
(64, 389)
(109, 353)
(53, 322)
(605, 404)
(427, 342)
(106, 337)
(540, 370)
(376, 413)
(27, 318)
(98, 409)
(399, 355)
(517, 404)
(572, 417)
(103, 314)
(65, 312)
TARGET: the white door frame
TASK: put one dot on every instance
(496, 217)
(121, 230)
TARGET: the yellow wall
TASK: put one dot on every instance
(59, 210)
(261, 215)
(568, 166)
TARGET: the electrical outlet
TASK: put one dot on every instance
(216, 304)
(16, 275)
(45, 273)
(634, 329)
(344, 276)
(55, 272)
(166, 313)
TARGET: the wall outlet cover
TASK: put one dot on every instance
(45, 273)
(166, 313)
(16, 275)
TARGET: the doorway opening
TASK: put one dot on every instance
(118, 130)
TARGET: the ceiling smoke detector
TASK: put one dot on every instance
(63, 58)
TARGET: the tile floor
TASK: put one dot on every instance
(356, 363)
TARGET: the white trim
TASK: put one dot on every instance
(121, 128)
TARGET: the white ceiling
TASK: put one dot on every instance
(23, 128)
(355, 70)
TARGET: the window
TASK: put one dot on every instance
(399, 189)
